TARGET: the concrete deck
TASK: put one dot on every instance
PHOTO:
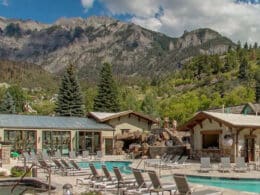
(192, 169)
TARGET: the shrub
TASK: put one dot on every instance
(18, 171)
(91, 193)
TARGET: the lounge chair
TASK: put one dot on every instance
(99, 155)
(93, 178)
(57, 154)
(72, 155)
(142, 185)
(65, 164)
(175, 159)
(158, 187)
(240, 165)
(165, 161)
(181, 162)
(60, 167)
(45, 156)
(27, 157)
(225, 165)
(46, 166)
(107, 183)
(76, 166)
(95, 174)
(85, 155)
(184, 189)
(107, 174)
(205, 165)
(122, 181)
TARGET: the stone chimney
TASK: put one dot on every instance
(166, 122)
(174, 124)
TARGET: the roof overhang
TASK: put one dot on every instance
(121, 114)
(201, 116)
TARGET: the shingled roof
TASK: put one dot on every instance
(233, 120)
(105, 116)
(239, 109)
(50, 122)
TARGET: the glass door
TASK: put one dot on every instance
(109, 146)
(250, 149)
(90, 141)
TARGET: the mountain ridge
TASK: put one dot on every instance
(87, 43)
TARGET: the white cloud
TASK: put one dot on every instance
(5, 2)
(237, 21)
(87, 4)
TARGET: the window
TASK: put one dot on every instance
(56, 140)
(125, 131)
(21, 140)
(210, 141)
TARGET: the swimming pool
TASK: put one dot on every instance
(124, 166)
(248, 185)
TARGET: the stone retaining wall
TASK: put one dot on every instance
(161, 150)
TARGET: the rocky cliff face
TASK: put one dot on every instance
(87, 43)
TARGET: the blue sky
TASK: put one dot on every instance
(48, 11)
(238, 21)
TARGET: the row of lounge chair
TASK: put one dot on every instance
(57, 155)
(224, 166)
(58, 164)
(138, 185)
(168, 161)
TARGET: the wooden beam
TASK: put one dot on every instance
(211, 132)
(210, 120)
(238, 130)
(201, 125)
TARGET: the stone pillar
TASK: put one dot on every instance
(73, 140)
(39, 140)
(5, 154)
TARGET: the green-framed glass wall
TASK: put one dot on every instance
(56, 140)
(21, 140)
(90, 141)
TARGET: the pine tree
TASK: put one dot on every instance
(70, 102)
(257, 87)
(238, 46)
(246, 45)
(243, 69)
(7, 106)
(148, 105)
(107, 97)
(255, 45)
(257, 92)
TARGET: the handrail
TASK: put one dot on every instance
(26, 172)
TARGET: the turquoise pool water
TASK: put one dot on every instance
(122, 165)
(248, 185)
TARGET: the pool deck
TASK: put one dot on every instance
(192, 169)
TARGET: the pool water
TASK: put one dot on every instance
(5, 190)
(249, 185)
(124, 166)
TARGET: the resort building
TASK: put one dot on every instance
(28, 132)
(50, 133)
(124, 122)
(217, 134)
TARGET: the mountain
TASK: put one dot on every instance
(27, 75)
(133, 50)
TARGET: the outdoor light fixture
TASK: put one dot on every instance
(67, 189)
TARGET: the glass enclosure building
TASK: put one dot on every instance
(28, 132)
